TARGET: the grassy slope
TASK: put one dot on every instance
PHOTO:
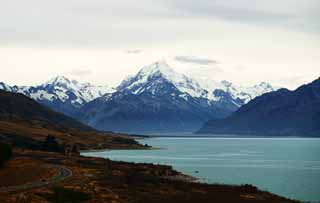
(24, 120)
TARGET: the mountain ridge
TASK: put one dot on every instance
(61, 94)
(158, 88)
(158, 99)
(18, 106)
(282, 112)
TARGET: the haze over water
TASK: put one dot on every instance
(286, 166)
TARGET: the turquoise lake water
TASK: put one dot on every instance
(286, 166)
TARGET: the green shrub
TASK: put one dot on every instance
(63, 195)
(5, 153)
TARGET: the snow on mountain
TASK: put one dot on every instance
(193, 87)
(157, 79)
(161, 70)
(244, 93)
(5, 87)
(158, 99)
(61, 94)
(77, 94)
(249, 93)
(63, 89)
(8, 88)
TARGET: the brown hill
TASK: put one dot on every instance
(18, 106)
(26, 123)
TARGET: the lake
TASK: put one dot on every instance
(286, 166)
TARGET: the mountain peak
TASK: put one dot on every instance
(59, 79)
(317, 80)
(156, 67)
(226, 83)
(265, 84)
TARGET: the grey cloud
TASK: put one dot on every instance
(195, 60)
(80, 72)
(273, 11)
(119, 23)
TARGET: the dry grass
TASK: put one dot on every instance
(86, 140)
(20, 171)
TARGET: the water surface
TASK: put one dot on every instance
(286, 166)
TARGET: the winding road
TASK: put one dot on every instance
(63, 173)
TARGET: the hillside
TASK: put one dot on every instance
(19, 106)
(26, 123)
(283, 112)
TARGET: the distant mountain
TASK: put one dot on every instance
(159, 99)
(283, 112)
(16, 106)
(156, 99)
(61, 94)
(240, 94)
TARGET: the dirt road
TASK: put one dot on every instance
(63, 173)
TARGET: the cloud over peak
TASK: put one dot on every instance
(195, 60)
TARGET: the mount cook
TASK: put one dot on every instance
(156, 99)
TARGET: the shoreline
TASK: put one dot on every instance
(231, 137)
(120, 149)
(106, 180)
(182, 176)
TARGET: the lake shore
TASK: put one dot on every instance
(116, 181)
(238, 161)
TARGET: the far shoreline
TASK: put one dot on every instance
(226, 136)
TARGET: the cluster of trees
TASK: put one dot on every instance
(5, 153)
(51, 144)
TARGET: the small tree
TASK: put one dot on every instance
(51, 144)
(5, 153)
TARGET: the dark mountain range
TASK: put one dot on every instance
(283, 112)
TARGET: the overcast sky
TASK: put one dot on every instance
(103, 41)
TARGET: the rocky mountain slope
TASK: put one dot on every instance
(24, 123)
(16, 106)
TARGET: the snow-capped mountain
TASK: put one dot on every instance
(278, 113)
(8, 88)
(159, 99)
(137, 84)
(156, 99)
(65, 90)
(210, 90)
(61, 94)
(149, 103)
(242, 93)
